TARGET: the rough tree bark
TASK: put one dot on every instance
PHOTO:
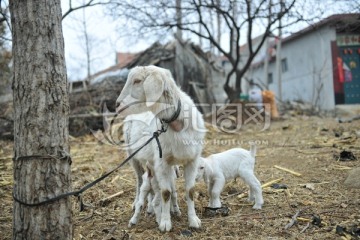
(41, 110)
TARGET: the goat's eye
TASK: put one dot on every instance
(137, 81)
(201, 168)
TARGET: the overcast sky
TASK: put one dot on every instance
(103, 40)
(103, 33)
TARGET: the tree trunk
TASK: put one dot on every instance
(233, 93)
(238, 77)
(41, 109)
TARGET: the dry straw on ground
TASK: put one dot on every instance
(311, 207)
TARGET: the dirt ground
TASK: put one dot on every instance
(307, 145)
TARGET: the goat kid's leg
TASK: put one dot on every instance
(190, 174)
(156, 201)
(164, 173)
(255, 188)
(139, 172)
(174, 202)
(210, 186)
(144, 191)
(215, 192)
(150, 208)
(257, 193)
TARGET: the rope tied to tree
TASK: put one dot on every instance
(156, 134)
(78, 193)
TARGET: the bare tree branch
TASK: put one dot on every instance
(4, 13)
(160, 15)
(90, 3)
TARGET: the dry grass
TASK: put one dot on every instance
(305, 146)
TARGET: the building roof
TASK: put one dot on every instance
(122, 59)
(342, 23)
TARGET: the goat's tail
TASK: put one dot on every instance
(252, 149)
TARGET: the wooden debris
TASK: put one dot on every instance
(311, 153)
(115, 178)
(310, 186)
(339, 167)
(293, 220)
(265, 185)
(268, 184)
(242, 195)
(303, 219)
(288, 170)
(306, 227)
(287, 192)
(111, 196)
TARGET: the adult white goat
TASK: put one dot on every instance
(153, 89)
(216, 169)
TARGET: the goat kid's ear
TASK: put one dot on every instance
(210, 170)
(153, 88)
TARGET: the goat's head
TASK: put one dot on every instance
(143, 89)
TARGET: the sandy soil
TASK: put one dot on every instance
(307, 145)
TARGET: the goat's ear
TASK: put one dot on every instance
(209, 169)
(153, 88)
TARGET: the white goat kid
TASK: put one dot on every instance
(137, 129)
(218, 168)
(153, 89)
(150, 189)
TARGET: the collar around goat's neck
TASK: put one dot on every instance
(174, 116)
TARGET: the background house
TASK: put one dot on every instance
(189, 65)
(319, 64)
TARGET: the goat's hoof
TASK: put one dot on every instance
(194, 222)
(150, 214)
(133, 221)
(131, 224)
(165, 226)
(158, 219)
(257, 206)
(176, 213)
(150, 211)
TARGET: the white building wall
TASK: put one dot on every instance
(310, 76)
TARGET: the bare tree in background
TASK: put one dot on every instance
(41, 108)
(89, 43)
(5, 17)
(244, 17)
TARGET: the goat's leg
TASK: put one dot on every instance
(139, 171)
(156, 201)
(215, 192)
(210, 185)
(150, 208)
(174, 202)
(163, 174)
(144, 191)
(255, 187)
(190, 174)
